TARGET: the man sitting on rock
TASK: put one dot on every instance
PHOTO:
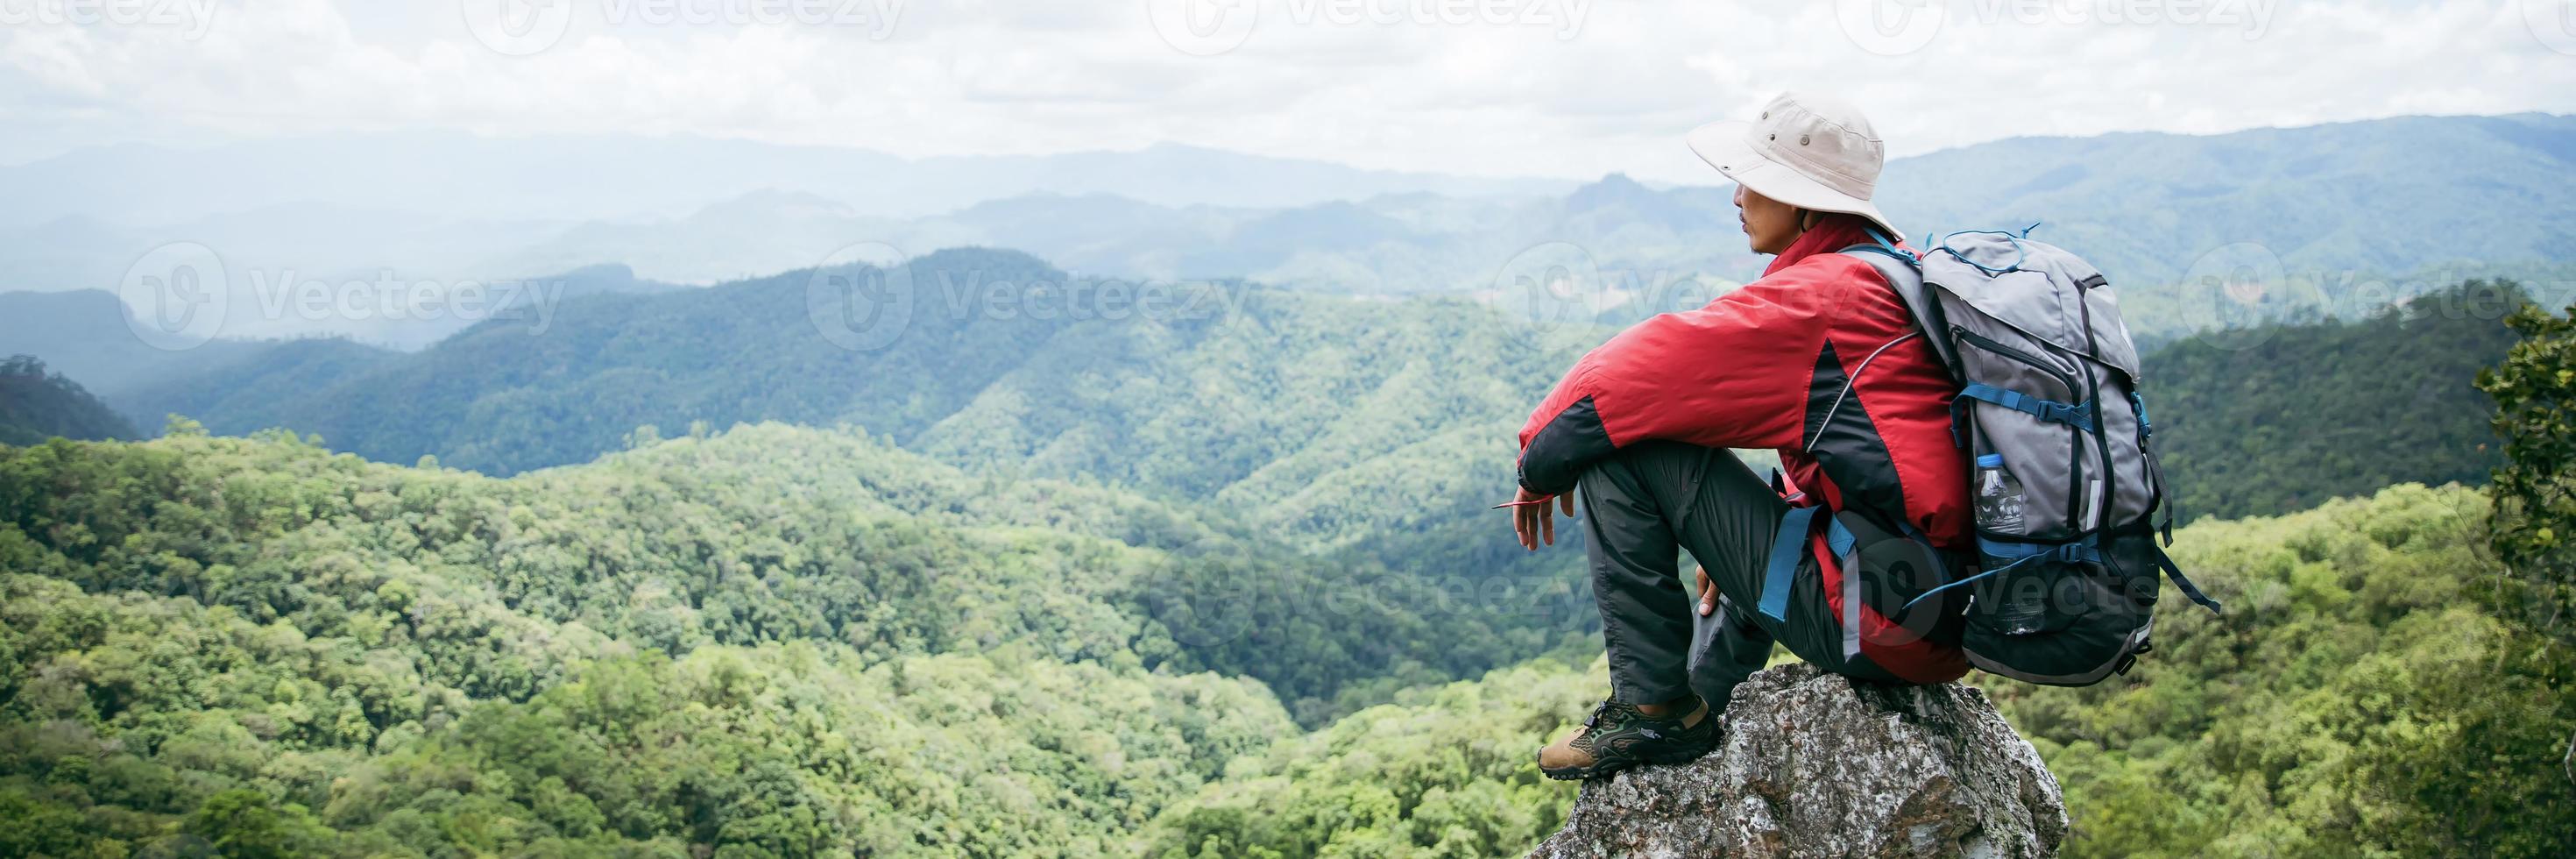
(1818, 360)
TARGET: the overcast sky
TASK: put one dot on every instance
(1569, 88)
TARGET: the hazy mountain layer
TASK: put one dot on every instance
(2352, 211)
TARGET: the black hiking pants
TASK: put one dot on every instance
(1652, 500)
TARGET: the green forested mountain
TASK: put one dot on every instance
(36, 404)
(501, 399)
(1377, 427)
(851, 536)
(256, 378)
(1080, 584)
(2358, 699)
(856, 645)
(784, 641)
(2281, 417)
(1202, 393)
(1375, 433)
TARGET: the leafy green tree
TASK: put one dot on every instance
(2532, 526)
(2533, 523)
(246, 823)
(34, 826)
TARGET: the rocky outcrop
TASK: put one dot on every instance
(1815, 765)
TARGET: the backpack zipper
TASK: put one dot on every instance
(2110, 495)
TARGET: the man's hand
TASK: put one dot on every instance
(1532, 519)
(1707, 593)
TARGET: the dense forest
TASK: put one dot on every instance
(37, 404)
(1213, 583)
(259, 645)
(1371, 435)
(260, 614)
(2280, 417)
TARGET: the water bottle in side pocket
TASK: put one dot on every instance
(2000, 510)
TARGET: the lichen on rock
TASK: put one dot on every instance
(1814, 764)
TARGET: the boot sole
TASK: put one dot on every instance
(1605, 768)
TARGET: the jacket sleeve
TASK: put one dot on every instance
(1732, 374)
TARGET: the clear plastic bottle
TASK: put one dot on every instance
(2025, 602)
(1999, 497)
(1999, 503)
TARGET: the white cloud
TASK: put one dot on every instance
(1393, 83)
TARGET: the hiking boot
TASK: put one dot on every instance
(1618, 737)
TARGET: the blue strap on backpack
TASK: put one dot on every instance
(1788, 548)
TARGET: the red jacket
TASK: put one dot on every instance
(1767, 366)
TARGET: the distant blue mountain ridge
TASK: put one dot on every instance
(2325, 220)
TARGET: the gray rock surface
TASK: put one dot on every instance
(1815, 765)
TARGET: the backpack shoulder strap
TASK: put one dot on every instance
(1905, 274)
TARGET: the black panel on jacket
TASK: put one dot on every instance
(1847, 445)
(1559, 453)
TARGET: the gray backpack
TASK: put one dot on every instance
(2065, 485)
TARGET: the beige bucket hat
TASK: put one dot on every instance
(1811, 151)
